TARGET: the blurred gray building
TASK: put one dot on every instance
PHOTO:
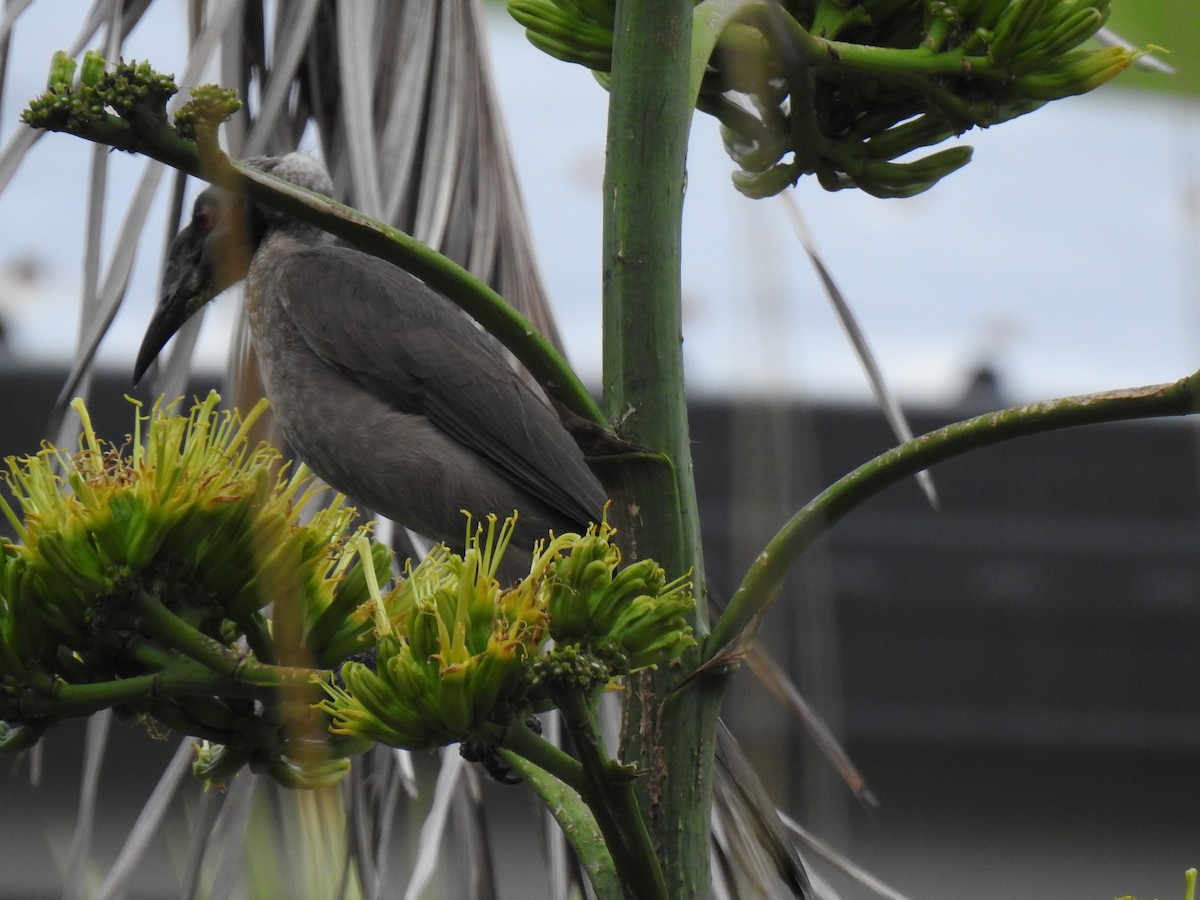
(1017, 674)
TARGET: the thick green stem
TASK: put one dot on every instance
(576, 820)
(153, 137)
(649, 117)
(49, 697)
(160, 622)
(630, 868)
(607, 787)
(537, 750)
(181, 677)
(737, 625)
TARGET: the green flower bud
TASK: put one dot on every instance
(578, 579)
(571, 667)
(449, 666)
(21, 736)
(62, 72)
(217, 763)
(631, 612)
(767, 183)
(305, 775)
(881, 178)
(1017, 20)
(1075, 73)
(92, 70)
(209, 106)
(1045, 46)
(566, 31)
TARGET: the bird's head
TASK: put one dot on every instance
(214, 251)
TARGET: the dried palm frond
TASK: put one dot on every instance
(398, 96)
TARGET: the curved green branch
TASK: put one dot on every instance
(739, 622)
(573, 816)
(607, 786)
(629, 865)
(239, 668)
(142, 126)
(709, 20)
(521, 741)
(48, 696)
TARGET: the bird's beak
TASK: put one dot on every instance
(208, 256)
(188, 284)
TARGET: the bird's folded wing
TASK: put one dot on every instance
(412, 348)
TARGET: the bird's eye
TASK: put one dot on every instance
(203, 218)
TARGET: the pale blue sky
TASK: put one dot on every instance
(1064, 251)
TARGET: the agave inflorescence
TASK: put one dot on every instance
(107, 103)
(465, 657)
(175, 579)
(143, 573)
(845, 89)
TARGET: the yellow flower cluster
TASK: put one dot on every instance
(177, 579)
(193, 512)
(463, 657)
(156, 563)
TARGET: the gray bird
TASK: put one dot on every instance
(386, 389)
